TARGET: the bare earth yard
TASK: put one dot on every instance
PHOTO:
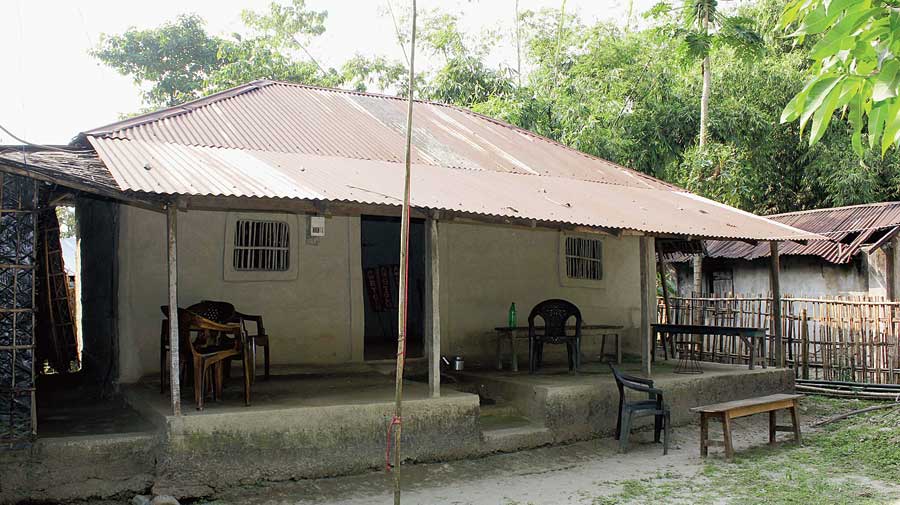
(853, 461)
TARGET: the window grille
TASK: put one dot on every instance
(261, 246)
(583, 258)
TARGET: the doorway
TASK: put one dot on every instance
(380, 238)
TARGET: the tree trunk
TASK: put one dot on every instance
(704, 97)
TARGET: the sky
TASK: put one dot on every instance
(51, 88)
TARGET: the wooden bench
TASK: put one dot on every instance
(727, 411)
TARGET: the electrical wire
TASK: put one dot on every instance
(32, 144)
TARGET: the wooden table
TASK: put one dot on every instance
(511, 333)
(727, 411)
(749, 335)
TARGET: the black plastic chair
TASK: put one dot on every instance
(628, 410)
(555, 313)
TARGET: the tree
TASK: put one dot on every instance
(174, 60)
(703, 27)
(180, 61)
(855, 68)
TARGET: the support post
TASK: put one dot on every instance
(661, 265)
(433, 340)
(890, 276)
(804, 343)
(648, 298)
(698, 288)
(775, 287)
(174, 358)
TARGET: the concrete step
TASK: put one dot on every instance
(499, 410)
(516, 437)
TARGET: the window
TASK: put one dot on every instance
(583, 258)
(261, 246)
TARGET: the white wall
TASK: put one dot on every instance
(800, 276)
(314, 319)
(318, 317)
(485, 268)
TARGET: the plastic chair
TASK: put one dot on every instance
(555, 313)
(628, 410)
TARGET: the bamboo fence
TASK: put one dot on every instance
(837, 339)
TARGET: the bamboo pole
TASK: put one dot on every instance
(397, 421)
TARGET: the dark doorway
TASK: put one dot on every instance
(380, 237)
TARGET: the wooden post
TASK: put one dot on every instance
(174, 368)
(804, 343)
(775, 287)
(890, 277)
(698, 288)
(433, 340)
(661, 265)
(648, 279)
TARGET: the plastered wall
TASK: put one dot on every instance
(318, 317)
(800, 276)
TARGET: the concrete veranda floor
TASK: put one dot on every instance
(584, 473)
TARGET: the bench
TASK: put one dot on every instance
(727, 411)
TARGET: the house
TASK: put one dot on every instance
(284, 200)
(860, 259)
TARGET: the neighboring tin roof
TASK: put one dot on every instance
(280, 140)
(849, 228)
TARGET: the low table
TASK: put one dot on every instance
(727, 411)
(511, 333)
(755, 338)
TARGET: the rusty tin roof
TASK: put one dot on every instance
(849, 228)
(271, 139)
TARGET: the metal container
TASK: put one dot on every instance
(458, 363)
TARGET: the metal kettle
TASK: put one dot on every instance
(457, 364)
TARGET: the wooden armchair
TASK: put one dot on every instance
(225, 312)
(208, 356)
(654, 405)
(555, 313)
(259, 338)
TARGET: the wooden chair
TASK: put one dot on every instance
(555, 313)
(208, 357)
(655, 406)
(259, 338)
(222, 312)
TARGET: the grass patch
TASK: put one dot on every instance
(868, 444)
(834, 467)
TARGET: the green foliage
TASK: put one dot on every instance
(855, 68)
(180, 61)
(174, 59)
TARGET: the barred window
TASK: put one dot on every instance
(583, 258)
(261, 246)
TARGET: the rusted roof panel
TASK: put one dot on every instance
(78, 168)
(850, 228)
(166, 168)
(281, 140)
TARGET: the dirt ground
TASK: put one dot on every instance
(592, 472)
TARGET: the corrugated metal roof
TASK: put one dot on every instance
(281, 140)
(73, 167)
(849, 228)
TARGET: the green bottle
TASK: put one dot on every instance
(512, 315)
